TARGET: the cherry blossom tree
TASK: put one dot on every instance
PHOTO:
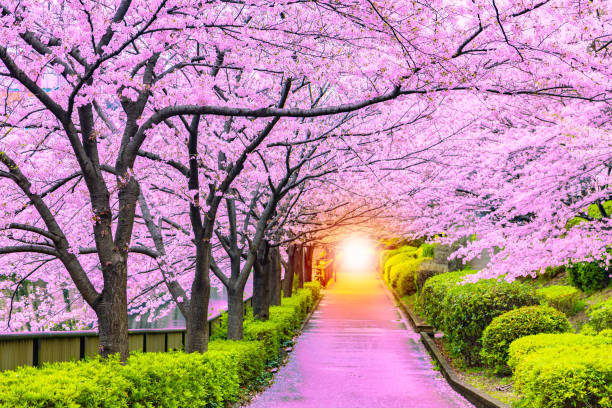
(97, 95)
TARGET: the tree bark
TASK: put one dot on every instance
(111, 311)
(308, 263)
(261, 281)
(300, 265)
(290, 271)
(196, 335)
(235, 313)
(275, 277)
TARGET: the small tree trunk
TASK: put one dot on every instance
(196, 335)
(275, 277)
(261, 282)
(308, 263)
(289, 271)
(112, 312)
(300, 265)
(235, 313)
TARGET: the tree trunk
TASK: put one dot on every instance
(235, 313)
(261, 281)
(112, 313)
(290, 271)
(308, 263)
(331, 266)
(300, 265)
(196, 335)
(275, 277)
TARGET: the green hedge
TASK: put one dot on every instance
(283, 322)
(432, 296)
(175, 379)
(427, 270)
(566, 376)
(469, 308)
(605, 332)
(395, 257)
(589, 276)
(522, 347)
(561, 297)
(515, 324)
(314, 288)
(600, 315)
(402, 276)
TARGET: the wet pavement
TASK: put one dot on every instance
(357, 352)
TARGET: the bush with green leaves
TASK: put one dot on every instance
(562, 297)
(428, 250)
(566, 376)
(402, 276)
(173, 380)
(605, 333)
(432, 295)
(589, 276)
(396, 257)
(469, 308)
(427, 270)
(600, 315)
(314, 288)
(517, 323)
(302, 301)
(523, 346)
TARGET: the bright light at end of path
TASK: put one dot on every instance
(357, 254)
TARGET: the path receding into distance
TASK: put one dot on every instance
(356, 352)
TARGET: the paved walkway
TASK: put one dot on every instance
(357, 353)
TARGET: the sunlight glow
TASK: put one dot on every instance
(357, 254)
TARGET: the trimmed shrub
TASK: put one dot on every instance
(600, 315)
(288, 317)
(589, 276)
(561, 297)
(86, 383)
(605, 333)
(170, 380)
(396, 257)
(402, 276)
(282, 324)
(469, 308)
(245, 354)
(314, 288)
(301, 300)
(432, 295)
(520, 348)
(517, 323)
(270, 333)
(426, 270)
(157, 378)
(588, 330)
(566, 376)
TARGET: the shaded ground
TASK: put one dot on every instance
(356, 352)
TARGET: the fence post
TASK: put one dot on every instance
(35, 349)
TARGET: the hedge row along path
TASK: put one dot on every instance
(356, 352)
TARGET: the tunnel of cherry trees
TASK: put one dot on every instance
(162, 162)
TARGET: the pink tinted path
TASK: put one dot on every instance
(356, 352)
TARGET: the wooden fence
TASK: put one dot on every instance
(33, 349)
